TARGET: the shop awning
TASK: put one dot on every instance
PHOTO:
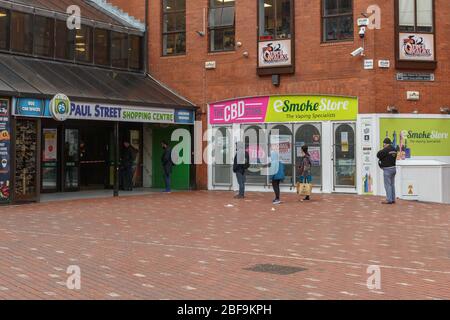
(37, 78)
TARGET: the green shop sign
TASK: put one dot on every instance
(417, 137)
(311, 108)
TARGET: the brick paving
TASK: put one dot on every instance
(200, 245)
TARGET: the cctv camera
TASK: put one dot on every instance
(200, 33)
(362, 32)
(358, 52)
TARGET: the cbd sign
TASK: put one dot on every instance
(234, 111)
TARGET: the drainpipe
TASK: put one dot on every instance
(146, 39)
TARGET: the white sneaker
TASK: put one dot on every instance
(276, 201)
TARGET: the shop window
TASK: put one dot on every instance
(174, 27)
(281, 142)
(337, 20)
(26, 160)
(221, 25)
(44, 36)
(415, 15)
(83, 44)
(21, 32)
(64, 41)
(310, 135)
(416, 34)
(101, 44)
(4, 29)
(275, 19)
(221, 154)
(119, 49)
(135, 52)
(256, 144)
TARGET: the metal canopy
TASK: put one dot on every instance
(30, 77)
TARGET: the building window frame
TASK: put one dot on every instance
(324, 17)
(414, 64)
(164, 14)
(277, 70)
(30, 34)
(7, 30)
(221, 28)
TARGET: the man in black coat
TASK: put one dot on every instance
(167, 164)
(126, 162)
(240, 165)
(387, 161)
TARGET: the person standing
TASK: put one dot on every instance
(240, 165)
(277, 175)
(387, 162)
(167, 164)
(305, 168)
(127, 166)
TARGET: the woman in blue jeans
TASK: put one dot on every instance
(305, 168)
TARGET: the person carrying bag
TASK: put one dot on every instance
(304, 187)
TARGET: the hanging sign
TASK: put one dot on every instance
(416, 46)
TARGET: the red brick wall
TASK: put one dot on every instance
(135, 8)
(320, 68)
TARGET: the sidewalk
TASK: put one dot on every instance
(206, 245)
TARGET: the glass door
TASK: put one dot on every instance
(71, 160)
(344, 160)
(256, 144)
(222, 157)
(49, 160)
(311, 136)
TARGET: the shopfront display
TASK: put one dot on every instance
(285, 124)
(5, 152)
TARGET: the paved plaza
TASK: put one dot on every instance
(207, 245)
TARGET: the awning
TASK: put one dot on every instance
(37, 78)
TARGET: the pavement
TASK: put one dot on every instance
(207, 245)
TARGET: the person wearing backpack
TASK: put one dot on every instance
(276, 171)
(240, 165)
(305, 168)
(167, 164)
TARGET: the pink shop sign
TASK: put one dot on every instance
(247, 110)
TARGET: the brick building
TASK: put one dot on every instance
(315, 39)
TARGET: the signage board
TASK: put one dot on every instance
(276, 53)
(416, 47)
(5, 149)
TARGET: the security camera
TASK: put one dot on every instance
(362, 32)
(200, 33)
(358, 52)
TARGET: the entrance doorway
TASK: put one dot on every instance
(344, 157)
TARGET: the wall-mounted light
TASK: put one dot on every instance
(415, 111)
(392, 109)
(246, 54)
(445, 110)
(238, 44)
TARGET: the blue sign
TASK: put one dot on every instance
(5, 157)
(184, 116)
(31, 107)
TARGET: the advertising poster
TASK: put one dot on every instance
(50, 144)
(315, 155)
(417, 137)
(416, 46)
(344, 141)
(5, 141)
(282, 144)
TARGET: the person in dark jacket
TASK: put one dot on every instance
(240, 165)
(305, 168)
(387, 161)
(167, 164)
(126, 164)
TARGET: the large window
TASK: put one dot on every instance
(83, 44)
(119, 49)
(221, 25)
(275, 19)
(101, 44)
(64, 41)
(44, 36)
(21, 32)
(135, 57)
(4, 29)
(174, 27)
(415, 15)
(337, 19)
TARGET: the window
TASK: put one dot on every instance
(44, 36)
(119, 49)
(221, 25)
(65, 41)
(415, 15)
(174, 27)
(21, 32)
(135, 52)
(4, 29)
(337, 20)
(101, 44)
(275, 19)
(83, 44)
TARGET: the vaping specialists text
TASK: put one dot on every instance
(225, 310)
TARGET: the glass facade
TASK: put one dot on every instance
(275, 19)
(4, 29)
(21, 32)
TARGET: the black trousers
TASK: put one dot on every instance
(276, 188)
